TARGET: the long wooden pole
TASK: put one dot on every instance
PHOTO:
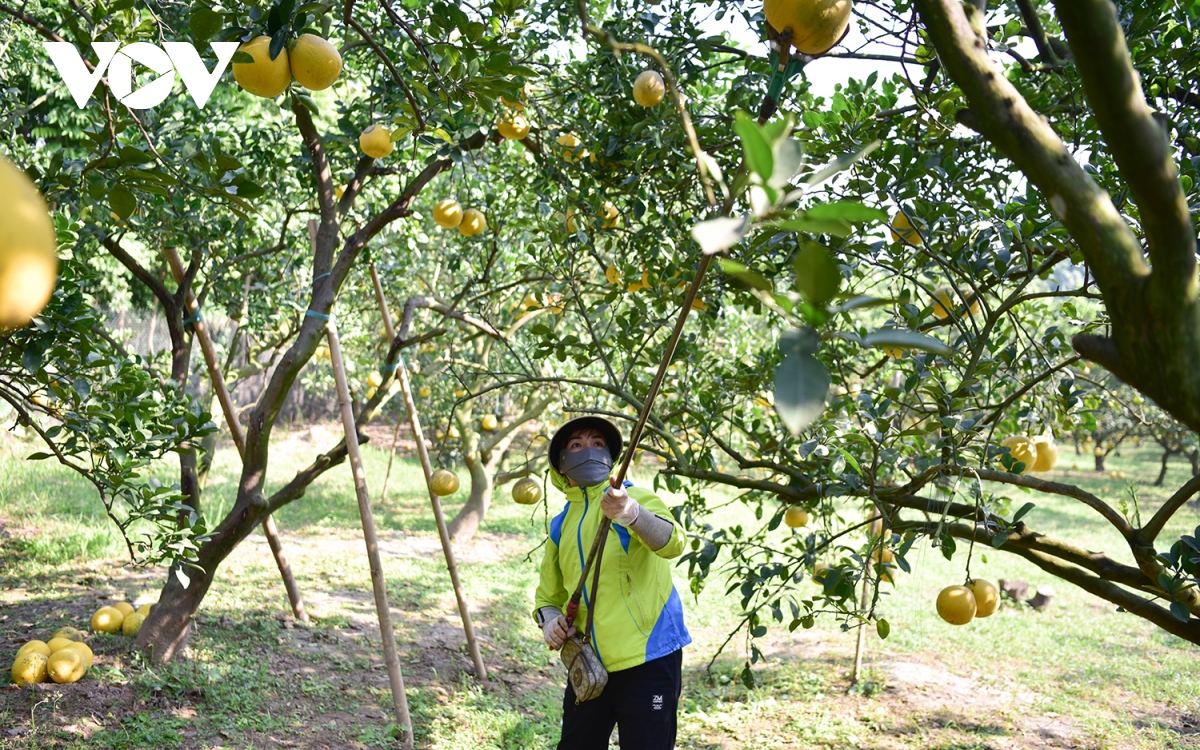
(399, 699)
(235, 430)
(414, 421)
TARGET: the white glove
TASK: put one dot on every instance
(619, 506)
(555, 632)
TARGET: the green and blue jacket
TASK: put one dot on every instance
(639, 616)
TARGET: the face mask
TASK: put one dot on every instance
(586, 467)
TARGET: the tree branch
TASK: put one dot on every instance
(1136, 140)
(1161, 516)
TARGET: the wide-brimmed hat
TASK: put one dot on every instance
(612, 437)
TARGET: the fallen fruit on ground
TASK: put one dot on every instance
(69, 632)
(447, 214)
(1022, 449)
(29, 667)
(28, 249)
(816, 25)
(796, 517)
(527, 492)
(513, 127)
(443, 482)
(956, 605)
(125, 607)
(57, 644)
(132, 624)
(987, 597)
(65, 666)
(263, 77)
(315, 62)
(144, 610)
(648, 88)
(40, 647)
(107, 620)
(376, 141)
(85, 651)
(903, 230)
(473, 223)
(1047, 453)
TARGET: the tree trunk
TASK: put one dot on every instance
(1162, 472)
(466, 523)
(1100, 461)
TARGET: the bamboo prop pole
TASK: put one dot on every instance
(414, 421)
(640, 426)
(235, 430)
(862, 632)
(399, 699)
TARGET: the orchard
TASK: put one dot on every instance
(895, 305)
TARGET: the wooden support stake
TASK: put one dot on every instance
(239, 437)
(399, 699)
(414, 421)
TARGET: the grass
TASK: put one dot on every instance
(1079, 674)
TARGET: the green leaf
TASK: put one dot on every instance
(817, 274)
(883, 628)
(801, 381)
(752, 278)
(278, 42)
(851, 211)
(1180, 612)
(998, 540)
(903, 339)
(861, 302)
(747, 677)
(835, 227)
(204, 23)
(840, 163)
(244, 58)
(122, 202)
(39, 456)
(1024, 509)
(758, 152)
(789, 157)
(719, 234)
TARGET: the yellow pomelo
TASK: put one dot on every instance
(29, 667)
(132, 624)
(315, 62)
(570, 217)
(1047, 453)
(648, 88)
(376, 142)
(945, 300)
(447, 214)
(875, 527)
(513, 127)
(107, 620)
(820, 570)
(816, 25)
(85, 651)
(895, 352)
(443, 482)
(40, 647)
(987, 598)
(28, 249)
(473, 223)
(796, 517)
(425, 391)
(903, 230)
(264, 76)
(956, 605)
(884, 555)
(374, 380)
(612, 274)
(66, 666)
(527, 492)
(125, 607)
(489, 422)
(1023, 450)
(144, 610)
(611, 215)
(57, 644)
(69, 633)
(569, 143)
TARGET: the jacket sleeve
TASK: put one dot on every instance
(653, 503)
(550, 591)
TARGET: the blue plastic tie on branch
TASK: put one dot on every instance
(194, 318)
(317, 315)
(318, 278)
(392, 367)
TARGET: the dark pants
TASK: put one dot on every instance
(642, 701)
